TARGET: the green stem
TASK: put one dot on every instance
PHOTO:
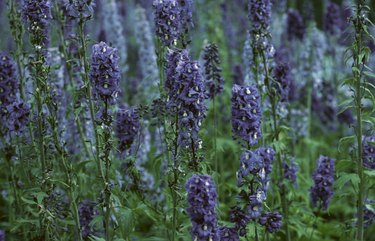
(107, 189)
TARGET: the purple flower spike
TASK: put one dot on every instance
(17, 117)
(228, 234)
(368, 152)
(272, 221)
(105, 72)
(296, 25)
(79, 9)
(87, 211)
(323, 178)
(37, 14)
(290, 171)
(202, 199)
(268, 155)
(333, 22)
(127, 127)
(250, 164)
(214, 79)
(168, 21)
(2, 235)
(246, 113)
(8, 82)
(260, 14)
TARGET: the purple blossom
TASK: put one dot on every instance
(186, 14)
(272, 221)
(333, 21)
(228, 234)
(79, 9)
(214, 79)
(323, 177)
(202, 199)
(255, 203)
(296, 25)
(368, 152)
(240, 218)
(8, 81)
(87, 211)
(186, 97)
(168, 21)
(368, 214)
(246, 114)
(260, 14)
(290, 171)
(251, 164)
(282, 77)
(105, 72)
(268, 156)
(17, 116)
(127, 127)
(37, 15)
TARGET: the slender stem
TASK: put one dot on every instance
(215, 137)
(107, 189)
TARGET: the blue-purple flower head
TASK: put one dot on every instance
(296, 26)
(267, 154)
(260, 14)
(368, 213)
(240, 218)
(168, 21)
(202, 199)
(17, 117)
(282, 77)
(228, 234)
(8, 81)
(321, 192)
(37, 16)
(105, 72)
(290, 171)
(333, 21)
(255, 204)
(214, 79)
(127, 127)
(246, 114)
(251, 164)
(79, 9)
(272, 221)
(87, 211)
(186, 97)
(2, 235)
(174, 57)
(368, 152)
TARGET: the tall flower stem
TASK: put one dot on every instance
(357, 69)
(273, 101)
(89, 96)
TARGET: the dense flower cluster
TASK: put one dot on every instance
(296, 25)
(214, 79)
(37, 14)
(246, 113)
(271, 221)
(8, 82)
(168, 21)
(228, 234)
(290, 171)
(368, 152)
(186, 14)
(260, 14)
(105, 72)
(332, 19)
(87, 211)
(186, 97)
(240, 218)
(323, 177)
(267, 154)
(127, 127)
(80, 9)
(202, 207)
(250, 164)
(368, 214)
(282, 77)
(17, 116)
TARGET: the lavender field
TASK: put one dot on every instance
(187, 120)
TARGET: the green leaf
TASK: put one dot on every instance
(346, 141)
(345, 178)
(28, 201)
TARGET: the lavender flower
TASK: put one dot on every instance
(368, 152)
(105, 72)
(271, 221)
(87, 211)
(268, 156)
(17, 117)
(323, 178)
(296, 25)
(332, 19)
(8, 82)
(2, 235)
(246, 113)
(290, 171)
(37, 14)
(228, 234)
(186, 97)
(240, 218)
(127, 127)
(255, 202)
(186, 14)
(214, 80)
(250, 164)
(260, 14)
(202, 207)
(282, 77)
(80, 9)
(168, 21)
